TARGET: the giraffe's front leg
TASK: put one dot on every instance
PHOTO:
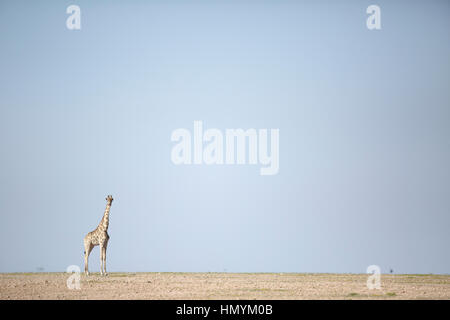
(101, 260)
(103, 254)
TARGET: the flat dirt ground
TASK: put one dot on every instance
(222, 286)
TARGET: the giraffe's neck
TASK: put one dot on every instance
(105, 221)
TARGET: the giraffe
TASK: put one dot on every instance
(98, 237)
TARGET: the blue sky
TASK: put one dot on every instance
(363, 116)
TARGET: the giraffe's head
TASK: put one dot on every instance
(109, 199)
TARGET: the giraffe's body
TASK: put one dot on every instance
(98, 237)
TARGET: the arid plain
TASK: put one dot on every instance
(222, 286)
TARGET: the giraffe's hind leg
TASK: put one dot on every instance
(87, 250)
